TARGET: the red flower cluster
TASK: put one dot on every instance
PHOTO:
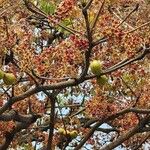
(62, 11)
(101, 109)
(79, 43)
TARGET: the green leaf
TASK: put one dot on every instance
(66, 23)
(47, 7)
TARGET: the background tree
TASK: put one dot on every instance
(50, 95)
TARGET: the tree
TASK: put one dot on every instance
(55, 100)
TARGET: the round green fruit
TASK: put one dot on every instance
(102, 80)
(66, 132)
(96, 67)
(1, 74)
(9, 78)
(73, 134)
(61, 131)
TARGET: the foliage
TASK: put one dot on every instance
(48, 46)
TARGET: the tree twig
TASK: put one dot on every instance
(142, 142)
(10, 135)
(126, 136)
(132, 11)
(88, 5)
(97, 16)
(112, 117)
(141, 26)
(52, 99)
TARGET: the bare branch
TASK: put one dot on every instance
(10, 135)
(123, 63)
(112, 117)
(88, 52)
(13, 115)
(69, 83)
(88, 5)
(97, 16)
(30, 6)
(126, 136)
(135, 9)
(100, 41)
(52, 100)
(142, 142)
(141, 26)
(145, 129)
(122, 20)
(89, 134)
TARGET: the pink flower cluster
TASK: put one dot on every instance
(62, 11)
(79, 43)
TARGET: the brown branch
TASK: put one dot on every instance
(97, 16)
(88, 5)
(139, 57)
(100, 41)
(141, 26)
(31, 7)
(69, 83)
(89, 37)
(104, 39)
(108, 130)
(10, 135)
(121, 139)
(120, 18)
(13, 115)
(127, 135)
(142, 141)
(46, 78)
(132, 11)
(73, 31)
(122, 64)
(86, 122)
(140, 111)
(89, 134)
(112, 117)
(61, 115)
(52, 99)
(78, 112)
(145, 129)
(12, 100)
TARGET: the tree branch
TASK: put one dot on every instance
(97, 16)
(89, 37)
(31, 7)
(126, 136)
(142, 141)
(52, 99)
(141, 26)
(13, 115)
(123, 63)
(88, 5)
(69, 83)
(132, 11)
(112, 117)
(10, 135)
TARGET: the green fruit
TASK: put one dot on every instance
(61, 131)
(96, 67)
(102, 80)
(73, 134)
(1, 74)
(9, 78)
